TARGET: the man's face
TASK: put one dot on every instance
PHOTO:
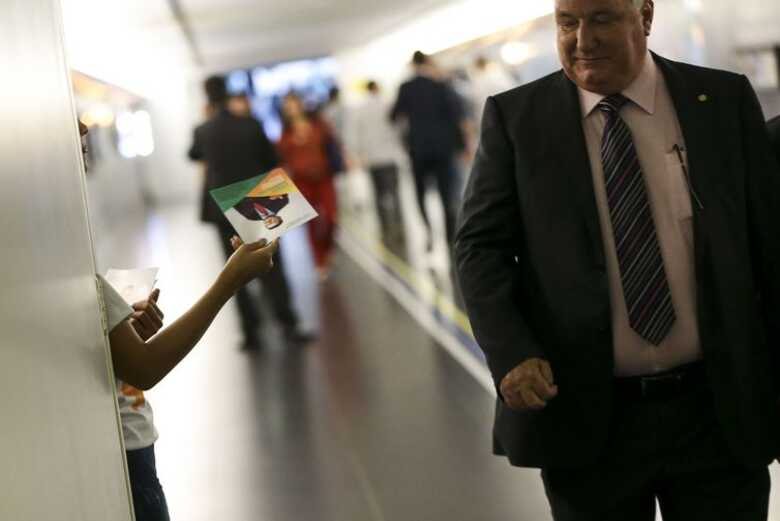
(602, 43)
(83, 131)
(292, 107)
(273, 221)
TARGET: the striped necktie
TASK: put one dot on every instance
(645, 287)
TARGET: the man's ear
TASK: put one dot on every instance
(648, 13)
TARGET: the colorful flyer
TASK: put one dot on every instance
(264, 207)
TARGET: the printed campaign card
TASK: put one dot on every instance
(133, 285)
(264, 207)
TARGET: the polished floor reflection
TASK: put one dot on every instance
(373, 421)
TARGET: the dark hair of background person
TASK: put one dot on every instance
(372, 86)
(419, 58)
(216, 90)
(333, 93)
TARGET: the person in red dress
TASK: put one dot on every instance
(304, 147)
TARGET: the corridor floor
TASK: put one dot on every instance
(373, 421)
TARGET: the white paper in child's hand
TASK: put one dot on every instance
(133, 285)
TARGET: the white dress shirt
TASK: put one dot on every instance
(651, 116)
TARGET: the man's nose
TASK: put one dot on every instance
(587, 40)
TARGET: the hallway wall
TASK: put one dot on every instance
(705, 33)
(60, 444)
(138, 46)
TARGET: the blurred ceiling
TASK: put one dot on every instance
(233, 33)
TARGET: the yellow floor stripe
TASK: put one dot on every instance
(405, 272)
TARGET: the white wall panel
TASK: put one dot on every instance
(60, 449)
(705, 32)
(138, 46)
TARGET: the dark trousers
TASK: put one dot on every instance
(443, 172)
(274, 287)
(148, 497)
(670, 449)
(388, 204)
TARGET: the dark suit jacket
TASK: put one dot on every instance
(774, 133)
(273, 204)
(234, 149)
(531, 262)
(433, 113)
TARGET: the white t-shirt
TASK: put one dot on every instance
(136, 413)
(371, 136)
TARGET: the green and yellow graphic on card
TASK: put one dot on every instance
(264, 207)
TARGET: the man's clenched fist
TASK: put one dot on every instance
(529, 386)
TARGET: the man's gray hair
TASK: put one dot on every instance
(638, 3)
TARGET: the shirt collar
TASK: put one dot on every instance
(641, 91)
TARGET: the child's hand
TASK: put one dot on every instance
(147, 318)
(248, 261)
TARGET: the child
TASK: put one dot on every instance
(142, 358)
(139, 365)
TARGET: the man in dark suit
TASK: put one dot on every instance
(774, 133)
(264, 209)
(236, 148)
(620, 266)
(432, 114)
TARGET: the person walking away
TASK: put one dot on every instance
(374, 143)
(235, 148)
(431, 113)
(487, 79)
(305, 148)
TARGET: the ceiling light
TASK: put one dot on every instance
(516, 53)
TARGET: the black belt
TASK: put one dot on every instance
(662, 385)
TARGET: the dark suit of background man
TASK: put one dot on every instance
(646, 370)
(236, 148)
(774, 132)
(432, 114)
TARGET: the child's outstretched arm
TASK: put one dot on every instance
(143, 364)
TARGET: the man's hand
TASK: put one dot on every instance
(147, 318)
(529, 386)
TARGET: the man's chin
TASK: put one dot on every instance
(594, 81)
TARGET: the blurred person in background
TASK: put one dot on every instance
(431, 115)
(774, 132)
(334, 113)
(374, 144)
(235, 148)
(311, 154)
(466, 133)
(487, 79)
(620, 263)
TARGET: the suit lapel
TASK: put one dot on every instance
(566, 154)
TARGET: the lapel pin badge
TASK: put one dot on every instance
(703, 98)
